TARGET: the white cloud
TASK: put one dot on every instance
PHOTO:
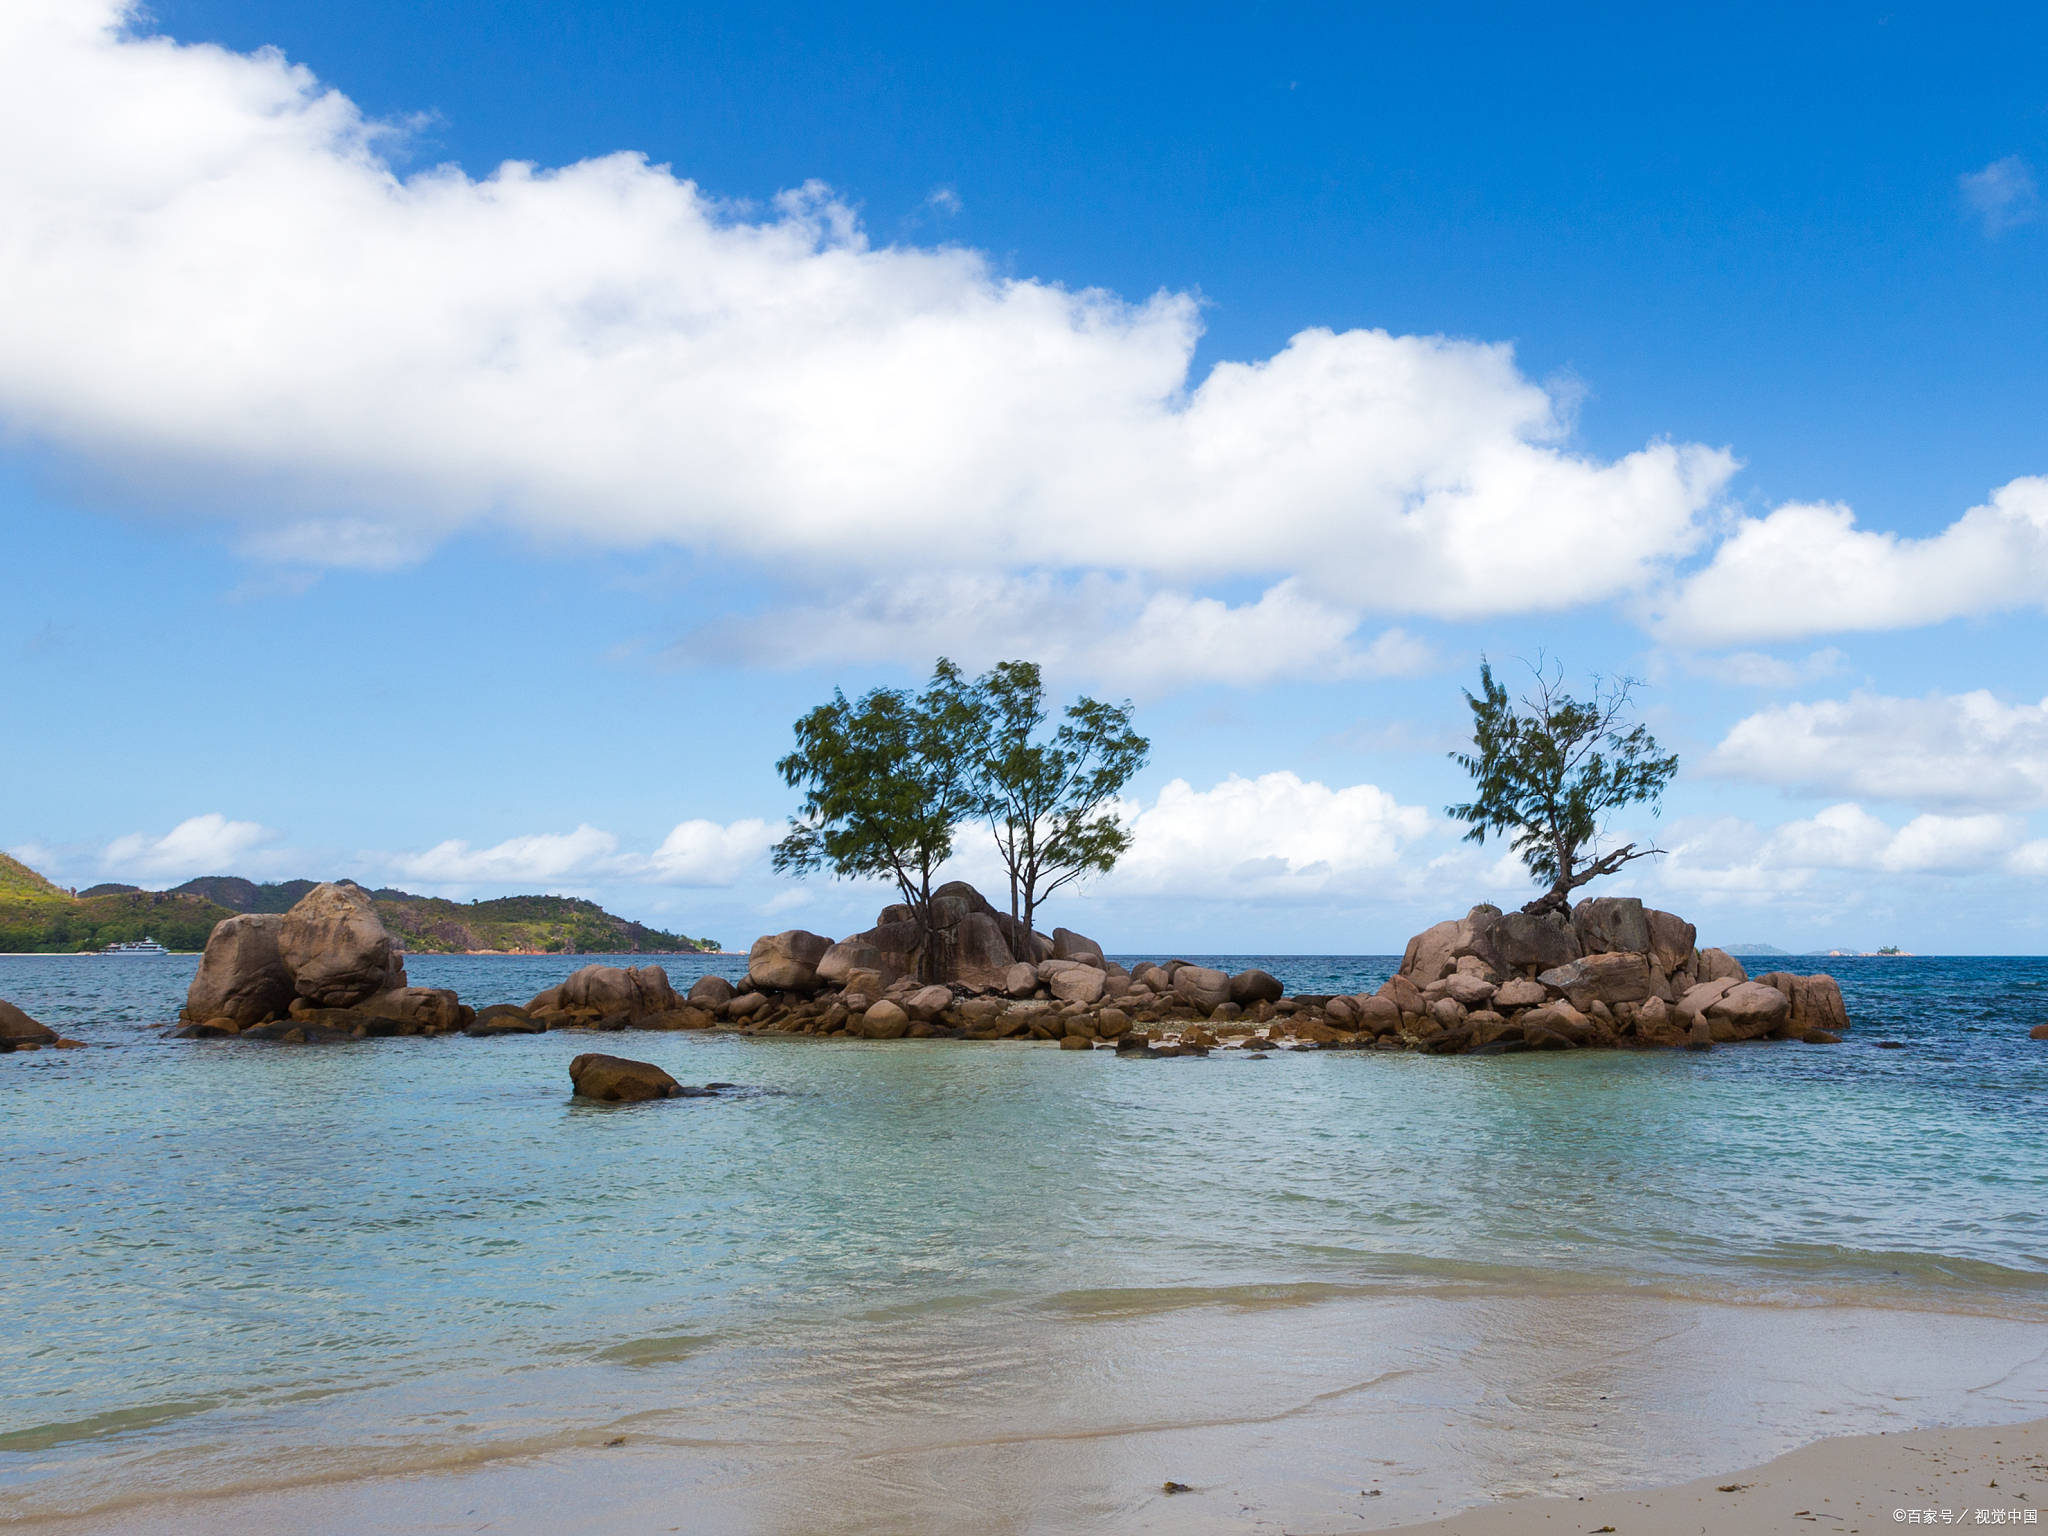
(1951, 750)
(1757, 669)
(217, 283)
(1731, 856)
(695, 853)
(1094, 625)
(1275, 837)
(708, 853)
(539, 858)
(1805, 570)
(200, 845)
(2002, 195)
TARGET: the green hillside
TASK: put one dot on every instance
(39, 917)
(20, 883)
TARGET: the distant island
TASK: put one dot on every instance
(37, 916)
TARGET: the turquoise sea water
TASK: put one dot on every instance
(240, 1267)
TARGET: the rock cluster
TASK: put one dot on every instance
(1609, 973)
(1612, 972)
(325, 970)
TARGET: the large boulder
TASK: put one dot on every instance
(1519, 992)
(1403, 994)
(1671, 941)
(1610, 925)
(612, 993)
(433, 1009)
(1201, 988)
(1617, 977)
(1533, 942)
(1069, 945)
(1255, 986)
(1718, 965)
(884, 1021)
(927, 1003)
(854, 954)
(1430, 953)
(711, 991)
(1699, 999)
(969, 942)
(1816, 1001)
(337, 949)
(1078, 983)
(17, 1028)
(787, 961)
(620, 1080)
(242, 976)
(1748, 1010)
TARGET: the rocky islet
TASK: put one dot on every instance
(1609, 973)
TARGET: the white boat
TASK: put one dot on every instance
(136, 947)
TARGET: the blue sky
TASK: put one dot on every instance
(370, 510)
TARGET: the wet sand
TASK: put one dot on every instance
(1312, 1417)
(1980, 1479)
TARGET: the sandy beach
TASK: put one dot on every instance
(1863, 1483)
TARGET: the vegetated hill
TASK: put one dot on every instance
(40, 925)
(239, 895)
(20, 883)
(37, 916)
(534, 924)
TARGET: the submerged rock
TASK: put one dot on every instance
(17, 1029)
(621, 1080)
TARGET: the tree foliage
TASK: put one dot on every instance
(1049, 801)
(1548, 768)
(885, 781)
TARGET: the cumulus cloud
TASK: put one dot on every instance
(217, 281)
(695, 853)
(710, 853)
(200, 845)
(1275, 837)
(2001, 195)
(539, 858)
(1095, 625)
(1952, 750)
(1808, 569)
(1735, 857)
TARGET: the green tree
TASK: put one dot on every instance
(1049, 801)
(1548, 768)
(885, 782)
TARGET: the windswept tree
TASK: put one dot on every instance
(885, 782)
(1050, 800)
(1548, 768)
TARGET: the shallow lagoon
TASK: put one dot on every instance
(924, 1284)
